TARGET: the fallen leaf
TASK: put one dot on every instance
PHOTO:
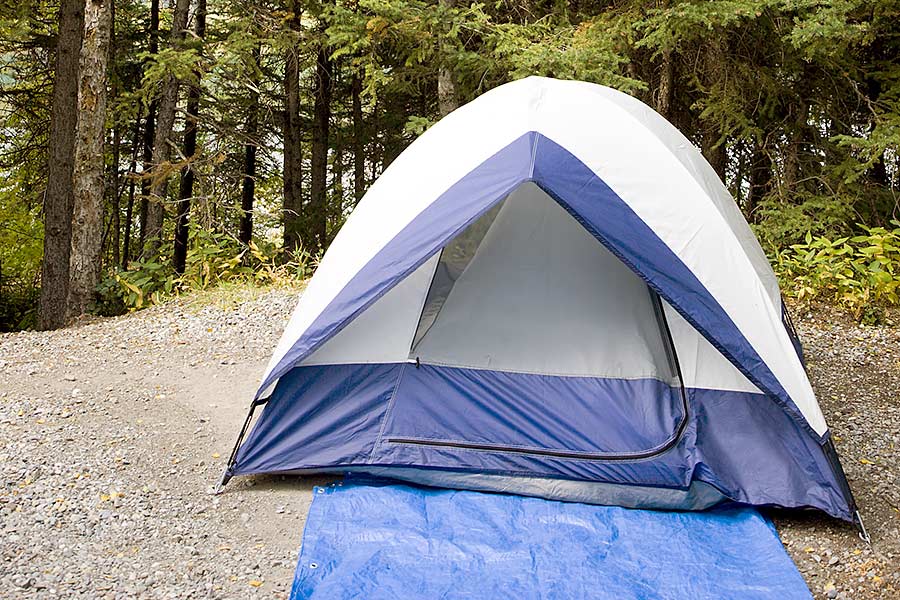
(216, 455)
(255, 582)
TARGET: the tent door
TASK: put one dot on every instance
(534, 339)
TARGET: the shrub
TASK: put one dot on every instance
(860, 273)
(212, 259)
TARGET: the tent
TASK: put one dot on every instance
(550, 293)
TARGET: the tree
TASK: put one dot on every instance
(318, 213)
(59, 193)
(162, 142)
(359, 156)
(248, 181)
(88, 168)
(292, 211)
(149, 129)
(189, 150)
(446, 88)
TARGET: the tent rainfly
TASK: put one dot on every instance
(549, 293)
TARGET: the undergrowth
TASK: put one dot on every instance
(859, 273)
(213, 260)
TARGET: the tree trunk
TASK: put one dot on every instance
(162, 151)
(715, 150)
(793, 151)
(87, 217)
(115, 179)
(665, 93)
(115, 197)
(292, 211)
(59, 195)
(248, 185)
(760, 180)
(149, 130)
(447, 98)
(359, 156)
(336, 208)
(129, 208)
(186, 188)
(318, 213)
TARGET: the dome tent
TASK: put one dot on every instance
(551, 293)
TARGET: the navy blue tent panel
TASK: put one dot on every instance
(394, 541)
(349, 416)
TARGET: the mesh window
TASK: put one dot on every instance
(455, 257)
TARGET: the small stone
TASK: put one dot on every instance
(832, 593)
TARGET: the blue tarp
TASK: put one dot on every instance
(367, 540)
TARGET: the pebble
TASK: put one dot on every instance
(92, 505)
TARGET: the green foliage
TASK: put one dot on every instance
(212, 259)
(21, 246)
(589, 51)
(798, 99)
(860, 273)
(781, 221)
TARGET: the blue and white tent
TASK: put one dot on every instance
(550, 293)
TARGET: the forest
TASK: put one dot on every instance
(147, 147)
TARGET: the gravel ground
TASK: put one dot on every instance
(113, 431)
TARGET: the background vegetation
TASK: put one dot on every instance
(211, 140)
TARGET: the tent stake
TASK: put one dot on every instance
(226, 474)
(863, 534)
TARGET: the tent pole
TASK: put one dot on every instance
(226, 474)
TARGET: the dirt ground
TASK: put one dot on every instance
(113, 432)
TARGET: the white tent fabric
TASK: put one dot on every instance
(641, 157)
(600, 303)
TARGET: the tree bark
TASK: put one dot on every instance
(715, 150)
(447, 98)
(149, 130)
(336, 206)
(115, 179)
(87, 216)
(666, 91)
(359, 155)
(59, 195)
(760, 180)
(129, 208)
(115, 197)
(319, 163)
(189, 149)
(162, 151)
(248, 184)
(292, 211)
(793, 151)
